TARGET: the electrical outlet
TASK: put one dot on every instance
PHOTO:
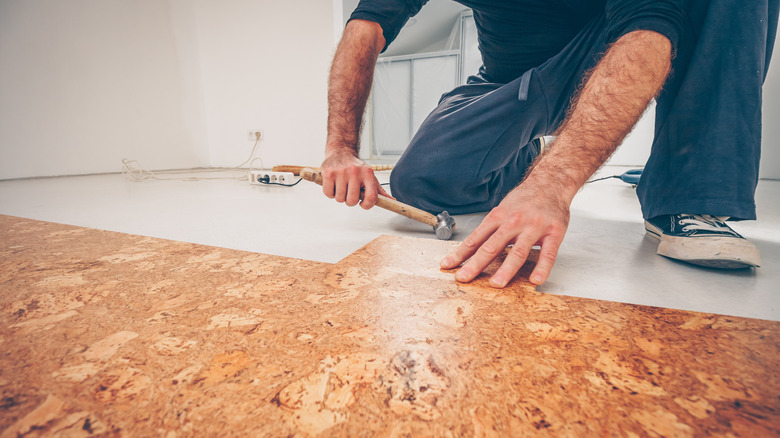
(252, 134)
(271, 177)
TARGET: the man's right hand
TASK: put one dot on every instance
(345, 176)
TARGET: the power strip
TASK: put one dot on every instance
(269, 177)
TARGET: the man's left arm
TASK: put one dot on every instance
(536, 212)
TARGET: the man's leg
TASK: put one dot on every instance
(705, 157)
(474, 147)
(707, 143)
(469, 152)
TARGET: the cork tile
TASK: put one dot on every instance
(115, 334)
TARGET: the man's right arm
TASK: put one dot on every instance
(344, 174)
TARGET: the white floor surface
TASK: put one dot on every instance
(605, 254)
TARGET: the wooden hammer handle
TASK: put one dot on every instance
(383, 201)
(296, 170)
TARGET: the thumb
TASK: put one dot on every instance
(383, 192)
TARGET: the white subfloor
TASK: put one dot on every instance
(605, 254)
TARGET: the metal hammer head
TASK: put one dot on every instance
(445, 226)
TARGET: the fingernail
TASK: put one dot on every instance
(447, 262)
(462, 275)
(497, 283)
(536, 279)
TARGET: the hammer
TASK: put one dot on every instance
(443, 224)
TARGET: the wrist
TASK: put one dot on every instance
(341, 147)
(559, 172)
(558, 186)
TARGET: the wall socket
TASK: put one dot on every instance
(252, 134)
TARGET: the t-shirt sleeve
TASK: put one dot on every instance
(666, 17)
(390, 14)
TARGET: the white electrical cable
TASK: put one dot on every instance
(132, 170)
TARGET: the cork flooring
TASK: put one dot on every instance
(116, 334)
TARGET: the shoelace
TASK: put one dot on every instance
(704, 222)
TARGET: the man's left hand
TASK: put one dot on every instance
(529, 215)
(537, 211)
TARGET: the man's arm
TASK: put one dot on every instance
(536, 212)
(344, 174)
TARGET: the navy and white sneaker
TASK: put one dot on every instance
(703, 240)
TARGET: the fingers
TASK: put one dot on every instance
(371, 190)
(351, 184)
(328, 186)
(468, 248)
(341, 187)
(547, 258)
(493, 236)
(514, 260)
(354, 184)
(486, 253)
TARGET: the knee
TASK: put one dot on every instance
(405, 185)
(434, 190)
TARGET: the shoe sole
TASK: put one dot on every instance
(710, 252)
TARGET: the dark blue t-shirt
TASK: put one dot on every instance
(516, 35)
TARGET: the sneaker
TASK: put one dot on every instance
(702, 240)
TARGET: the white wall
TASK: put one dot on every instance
(85, 83)
(171, 83)
(265, 65)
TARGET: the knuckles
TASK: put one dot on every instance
(490, 248)
(519, 252)
(470, 242)
(546, 256)
(353, 172)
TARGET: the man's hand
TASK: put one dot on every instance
(527, 216)
(344, 176)
(343, 173)
(537, 211)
